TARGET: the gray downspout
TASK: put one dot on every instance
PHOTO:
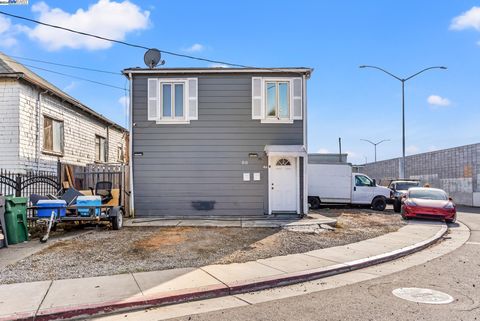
(130, 146)
(107, 148)
(305, 142)
(37, 137)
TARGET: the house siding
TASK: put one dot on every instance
(79, 131)
(205, 160)
(9, 124)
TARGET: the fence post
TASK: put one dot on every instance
(59, 175)
(18, 185)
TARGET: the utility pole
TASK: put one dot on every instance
(403, 80)
(375, 145)
(340, 149)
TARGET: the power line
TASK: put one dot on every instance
(75, 77)
(67, 66)
(121, 42)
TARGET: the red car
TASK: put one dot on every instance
(426, 202)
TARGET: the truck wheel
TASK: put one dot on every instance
(314, 203)
(379, 203)
(397, 206)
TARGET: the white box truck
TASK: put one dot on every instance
(335, 183)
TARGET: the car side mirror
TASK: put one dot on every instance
(450, 199)
(374, 182)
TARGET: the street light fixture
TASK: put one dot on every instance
(403, 80)
(375, 145)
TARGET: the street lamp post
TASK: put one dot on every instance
(403, 80)
(375, 145)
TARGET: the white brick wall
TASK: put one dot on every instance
(79, 132)
(9, 130)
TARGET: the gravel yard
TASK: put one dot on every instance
(104, 252)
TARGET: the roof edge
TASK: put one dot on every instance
(301, 70)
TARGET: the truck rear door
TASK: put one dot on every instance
(363, 189)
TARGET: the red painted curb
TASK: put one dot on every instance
(218, 291)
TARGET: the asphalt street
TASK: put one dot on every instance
(359, 295)
(457, 274)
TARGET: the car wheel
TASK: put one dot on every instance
(451, 221)
(379, 203)
(397, 205)
(403, 215)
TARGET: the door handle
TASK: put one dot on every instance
(354, 188)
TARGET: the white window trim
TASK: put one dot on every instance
(172, 120)
(274, 120)
(187, 116)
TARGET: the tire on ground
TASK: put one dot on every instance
(379, 203)
(397, 205)
(314, 202)
(117, 218)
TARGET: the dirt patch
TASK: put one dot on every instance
(105, 252)
(168, 237)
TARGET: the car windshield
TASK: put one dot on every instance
(428, 194)
(403, 186)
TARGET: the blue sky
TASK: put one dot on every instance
(333, 37)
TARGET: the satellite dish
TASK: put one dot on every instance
(152, 57)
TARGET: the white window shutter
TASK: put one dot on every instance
(296, 105)
(257, 98)
(153, 100)
(192, 95)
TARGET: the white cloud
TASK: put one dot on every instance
(71, 86)
(432, 148)
(124, 101)
(219, 66)
(468, 20)
(412, 149)
(5, 24)
(196, 47)
(8, 33)
(323, 151)
(436, 100)
(105, 18)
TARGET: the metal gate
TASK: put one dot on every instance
(42, 183)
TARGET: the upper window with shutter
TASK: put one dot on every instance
(172, 101)
(277, 100)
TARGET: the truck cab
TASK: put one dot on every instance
(366, 191)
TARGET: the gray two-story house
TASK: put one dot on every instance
(218, 141)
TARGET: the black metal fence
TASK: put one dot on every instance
(26, 184)
(16, 184)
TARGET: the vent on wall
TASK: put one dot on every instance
(203, 205)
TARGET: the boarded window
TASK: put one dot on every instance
(120, 156)
(100, 149)
(52, 135)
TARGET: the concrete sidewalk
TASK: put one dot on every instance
(285, 221)
(59, 299)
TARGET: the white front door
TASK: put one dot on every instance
(283, 184)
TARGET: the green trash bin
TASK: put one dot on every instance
(16, 219)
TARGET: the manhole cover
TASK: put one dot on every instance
(423, 295)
